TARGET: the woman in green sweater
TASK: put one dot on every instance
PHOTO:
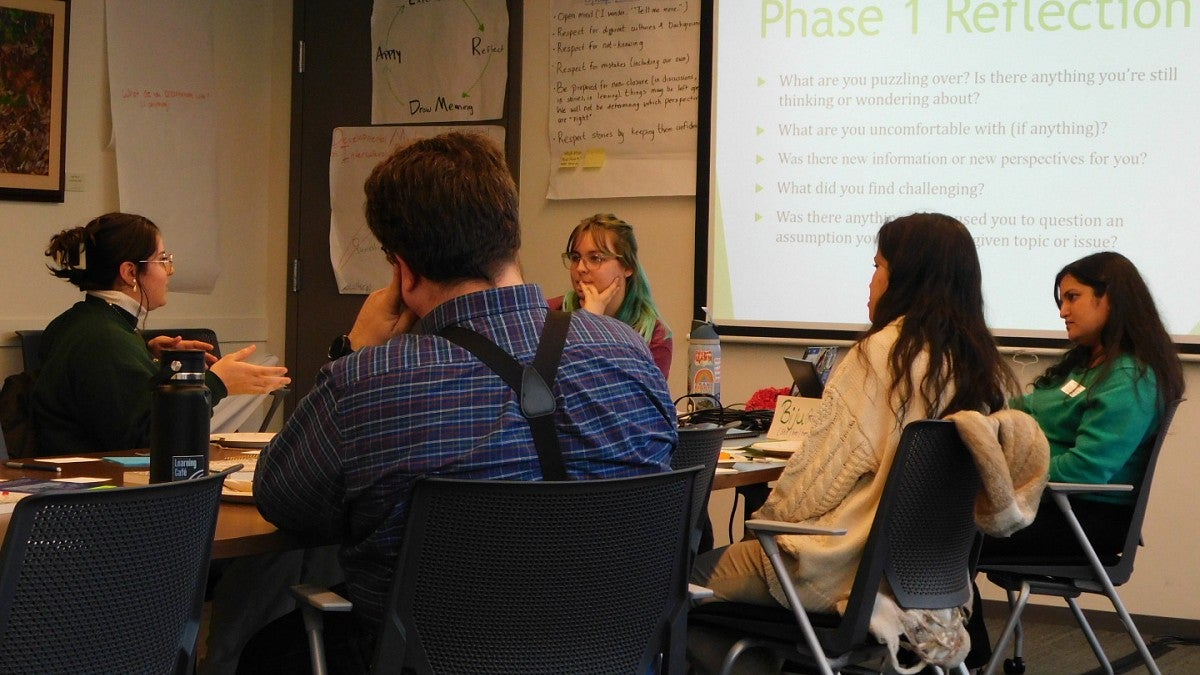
(92, 392)
(1100, 408)
(1101, 404)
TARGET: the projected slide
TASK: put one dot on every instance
(1051, 128)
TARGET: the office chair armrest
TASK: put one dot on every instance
(321, 598)
(765, 531)
(1059, 493)
(780, 527)
(1081, 488)
(314, 601)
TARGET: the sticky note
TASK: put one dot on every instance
(129, 461)
(570, 159)
(594, 158)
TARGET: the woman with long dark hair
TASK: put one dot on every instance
(1100, 407)
(927, 354)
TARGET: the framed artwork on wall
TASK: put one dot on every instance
(33, 99)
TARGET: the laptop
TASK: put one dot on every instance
(806, 381)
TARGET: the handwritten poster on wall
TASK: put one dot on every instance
(359, 265)
(161, 85)
(624, 90)
(438, 61)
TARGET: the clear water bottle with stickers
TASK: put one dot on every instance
(704, 362)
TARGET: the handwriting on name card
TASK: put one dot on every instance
(790, 413)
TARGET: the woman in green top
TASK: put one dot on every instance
(1100, 408)
(92, 392)
(1101, 404)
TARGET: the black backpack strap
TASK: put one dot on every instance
(531, 383)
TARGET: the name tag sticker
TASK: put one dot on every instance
(1073, 388)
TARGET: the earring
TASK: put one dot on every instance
(135, 285)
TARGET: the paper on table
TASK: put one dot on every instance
(783, 449)
(756, 466)
(65, 460)
(243, 439)
(36, 485)
(736, 443)
(8, 500)
(222, 464)
(240, 483)
(778, 446)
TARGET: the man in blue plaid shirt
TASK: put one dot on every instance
(406, 403)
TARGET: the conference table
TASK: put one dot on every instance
(241, 529)
(759, 470)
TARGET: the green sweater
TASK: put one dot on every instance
(1102, 434)
(92, 393)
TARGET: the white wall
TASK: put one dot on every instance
(252, 46)
(1165, 583)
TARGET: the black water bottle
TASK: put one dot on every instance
(179, 417)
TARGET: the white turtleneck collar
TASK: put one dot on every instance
(123, 301)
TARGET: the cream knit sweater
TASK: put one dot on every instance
(836, 477)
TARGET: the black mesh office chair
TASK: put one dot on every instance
(1089, 574)
(31, 345)
(535, 576)
(210, 336)
(699, 446)
(202, 334)
(921, 541)
(107, 580)
(16, 399)
(31, 341)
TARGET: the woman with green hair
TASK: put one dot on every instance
(606, 278)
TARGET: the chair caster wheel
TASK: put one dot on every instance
(1014, 666)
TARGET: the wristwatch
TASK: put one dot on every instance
(340, 347)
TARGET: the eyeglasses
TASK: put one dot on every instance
(167, 260)
(590, 261)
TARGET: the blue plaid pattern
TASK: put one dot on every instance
(343, 466)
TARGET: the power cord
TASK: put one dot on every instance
(703, 408)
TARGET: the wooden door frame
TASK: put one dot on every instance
(298, 269)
